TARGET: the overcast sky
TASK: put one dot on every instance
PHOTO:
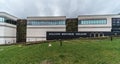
(69, 8)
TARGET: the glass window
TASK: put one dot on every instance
(46, 22)
(9, 21)
(94, 21)
(2, 19)
(115, 22)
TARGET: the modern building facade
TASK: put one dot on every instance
(99, 25)
(7, 28)
(36, 28)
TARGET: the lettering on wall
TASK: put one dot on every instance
(65, 35)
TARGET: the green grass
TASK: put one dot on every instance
(72, 52)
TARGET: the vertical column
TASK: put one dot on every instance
(98, 34)
(103, 35)
(94, 34)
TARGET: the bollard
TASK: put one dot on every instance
(111, 38)
(60, 42)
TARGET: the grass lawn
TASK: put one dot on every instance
(72, 52)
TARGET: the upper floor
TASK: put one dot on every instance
(7, 18)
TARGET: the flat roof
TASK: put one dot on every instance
(4, 14)
(101, 15)
(46, 18)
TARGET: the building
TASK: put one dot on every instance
(7, 28)
(99, 25)
(37, 27)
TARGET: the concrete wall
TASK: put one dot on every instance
(38, 33)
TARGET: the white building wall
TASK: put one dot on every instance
(9, 40)
(1, 29)
(98, 27)
(7, 33)
(2, 41)
(2, 33)
(10, 33)
(38, 33)
(10, 30)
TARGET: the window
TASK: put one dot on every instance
(2, 19)
(46, 22)
(10, 21)
(93, 21)
(5, 20)
(115, 22)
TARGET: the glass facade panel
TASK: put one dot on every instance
(115, 24)
(5, 20)
(46, 22)
(93, 21)
(10, 21)
(2, 19)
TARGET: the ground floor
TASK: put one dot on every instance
(59, 35)
(72, 35)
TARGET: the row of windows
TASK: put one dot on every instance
(11, 22)
(3, 20)
(116, 22)
(45, 22)
(95, 21)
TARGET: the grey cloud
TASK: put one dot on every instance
(69, 8)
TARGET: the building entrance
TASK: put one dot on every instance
(96, 34)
